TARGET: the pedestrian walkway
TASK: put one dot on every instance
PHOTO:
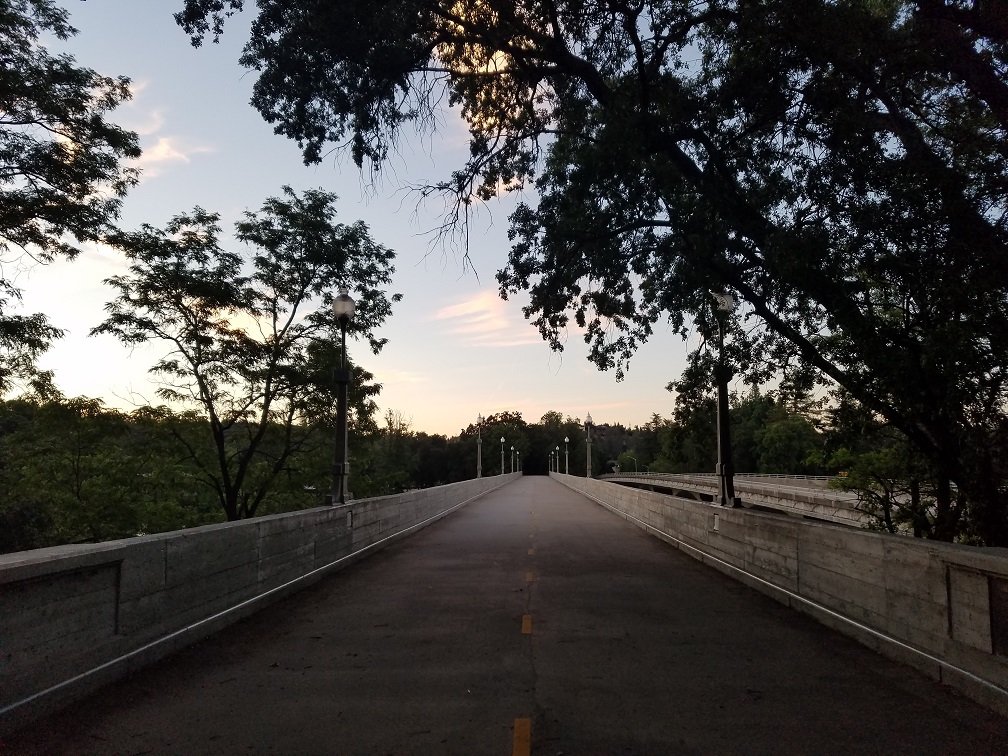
(531, 621)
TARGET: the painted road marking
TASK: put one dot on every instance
(526, 624)
(522, 738)
(532, 552)
(530, 577)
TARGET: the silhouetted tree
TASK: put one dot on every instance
(241, 343)
(63, 169)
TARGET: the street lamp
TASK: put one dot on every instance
(588, 426)
(566, 456)
(343, 308)
(724, 305)
(518, 458)
(551, 460)
(502, 455)
(512, 459)
(479, 446)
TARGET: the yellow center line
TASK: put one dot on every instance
(526, 624)
(530, 577)
(522, 737)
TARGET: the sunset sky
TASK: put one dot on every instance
(455, 349)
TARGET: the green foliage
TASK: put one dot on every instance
(901, 491)
(74, 471)
(62, 172)
(850, 188)
(251, 351)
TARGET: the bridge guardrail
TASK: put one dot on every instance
(936, 606)
(73, 618)
(809, 501)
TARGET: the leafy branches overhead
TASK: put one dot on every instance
(62, 164)
(249, 348)
(851, 188)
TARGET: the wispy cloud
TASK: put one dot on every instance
(148, 124)
(401, 377)
(485, 320)
(164, 152)
(148, 119)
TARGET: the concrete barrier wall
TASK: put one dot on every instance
(75, 617)
(941, 607)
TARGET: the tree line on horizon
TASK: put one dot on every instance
(850, 190)
(76, 471)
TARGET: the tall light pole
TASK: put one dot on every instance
(588, 426)
(518, 457)
(502, 455)
(724, 305)
(479, 446)
(566, 456)
(343, 308)
(551, 460)
(512, 459)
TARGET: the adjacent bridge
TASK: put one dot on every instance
(530, 620)
(802, 495)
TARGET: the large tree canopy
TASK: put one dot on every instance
(62, 164)
(841, 166)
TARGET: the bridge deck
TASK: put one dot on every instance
(530, 604)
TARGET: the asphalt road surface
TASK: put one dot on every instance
(531, 621)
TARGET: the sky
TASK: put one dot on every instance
(455, 349)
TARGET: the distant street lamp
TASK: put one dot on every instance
(518, 456)
(634, 462)
(512, 459)
(588, 426)
(343, 308)
(479, 446)
(566, 456)
(502, 455)
(724, 305)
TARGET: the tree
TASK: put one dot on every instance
(73, 470)
(246, 348)
(895, 486)
(850, 188)
(63, 169)
(788, 445)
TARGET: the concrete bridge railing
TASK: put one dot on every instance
(75, 617)
(811, 499)
(942, 608)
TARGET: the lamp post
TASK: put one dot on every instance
(557, 459)
(724, 304)
(343, 308)
(551, 460)
(588, 426)
(512, 459)
(518, 460)
(502, 455)
(566, 456)
(479, 446)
